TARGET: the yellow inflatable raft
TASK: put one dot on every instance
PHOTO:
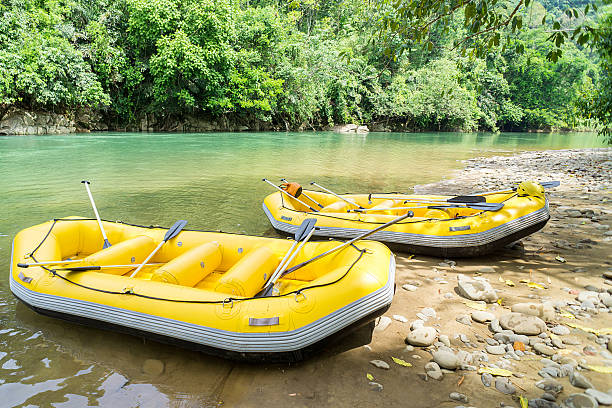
(438, 225)
(201, 289)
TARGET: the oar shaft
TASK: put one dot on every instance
(289, 195)
(26, 265)
(346, 244)
(93, 204)
(98, 267)
(147, 259)
(351, 202)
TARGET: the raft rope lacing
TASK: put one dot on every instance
(320, 214)
(131, 292)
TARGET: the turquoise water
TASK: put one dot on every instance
(213, 181)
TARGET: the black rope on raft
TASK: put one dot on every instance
(225, 301)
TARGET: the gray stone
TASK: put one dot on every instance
(492, 342)
(548, 372)
(541, 403)
(494, 326)
(544, 349)
(550, 385)
(429, 312)
(503, 385)
(380, 364)
(497, 350)
(481, 316)
(436, 375)
(417, 324)
(580, 401)
(409, 288)
(486, 269)
(458, 397)
(476, 289)
(464, 319)
(560, 330)
(522, 324)
(400, 318)
(383, 323)
(544, 311)
(588, 296)
(443, 338)
(601, 397)
(374, 386)
(446, 359)
(579, 380)
(486, 379)
(423, 336)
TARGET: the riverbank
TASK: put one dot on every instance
(558, 270)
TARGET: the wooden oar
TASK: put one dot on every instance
(173, 231)
(106, 243)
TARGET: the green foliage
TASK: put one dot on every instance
(307, 64)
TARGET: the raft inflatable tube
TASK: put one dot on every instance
(438, 225)
(200, 290)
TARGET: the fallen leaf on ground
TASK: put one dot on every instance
(567, 315)
(560, 259)
(598, 332)
(370, 377)
(536, 285)
(524, 402)
(401, 362)
(495, 371)
(600, 369)
(475, 305)
(509, 282)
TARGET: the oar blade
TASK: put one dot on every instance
(486, 206)
(467, 199)
(174, 230)
(305, 228)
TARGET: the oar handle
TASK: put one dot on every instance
(288, 195)
(93, 204)
(284, 180)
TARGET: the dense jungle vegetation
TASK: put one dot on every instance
(305, 63)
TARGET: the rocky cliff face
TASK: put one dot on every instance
(22, 122)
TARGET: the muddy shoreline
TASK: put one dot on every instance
(563, 262)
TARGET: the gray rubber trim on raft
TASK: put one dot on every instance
(241, 342)
(434, 241)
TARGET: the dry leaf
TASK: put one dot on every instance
(495, 371)
(370, 377)
(535, 285)
(401, 362)
(560, 259)
(600, 369)
(524, 402)
(509, 282)
(567, 315)
(475, 305)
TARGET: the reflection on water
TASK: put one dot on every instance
(212, 180)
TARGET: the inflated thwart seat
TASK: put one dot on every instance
(190, 267)
(338, 206)
(130, 251)
(248, 276)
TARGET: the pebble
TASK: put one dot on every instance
(601, 397)
(544, 349)
(443, 338)
(491, 342)
(548, 372)
(429, 312)
(543, 310)
(560, 330)
(464, 319)
(580, 401)
(153, 367)
(383, 323)
(458, 397)
(409, 348)
(541, 403)
(504, 386)
(486, 379)
(481, 316)
(498, 350)
(432, 370)
(550, 385)
(374, 386)
(446, 359)
(409, 288)
(380, 364)
(494, 326)
(400, 318)
(522, 324)
(549, 397)
(579, 380)
(423, 336)
(486, 269)
(417, 324)
(476, 289)
(588, 296)
(571, 341)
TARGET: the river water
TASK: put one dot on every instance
(212, 180)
